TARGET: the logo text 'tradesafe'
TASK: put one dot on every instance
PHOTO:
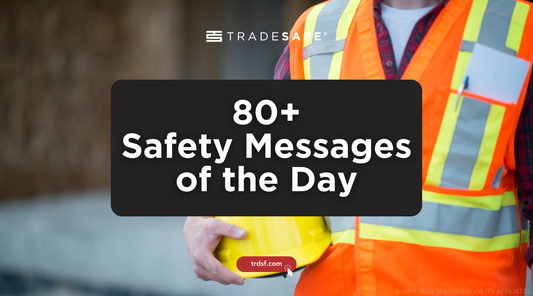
(218, 36)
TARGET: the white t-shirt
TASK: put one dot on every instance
(400, 23)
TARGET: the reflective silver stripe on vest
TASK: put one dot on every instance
(467, 46)
(498, 178)
(326, 24)
(457, 220)
(323, 47)
(465, 145)
(470, 127)
(494, 27)
(338, 224)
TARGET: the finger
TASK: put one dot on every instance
(214, 266)
(206, 275)
(201, 273)
(203, 278)
(220, 228)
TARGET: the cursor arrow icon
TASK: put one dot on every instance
(289, 272)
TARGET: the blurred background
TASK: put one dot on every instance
(58, 60)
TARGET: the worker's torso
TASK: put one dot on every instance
(469, 234)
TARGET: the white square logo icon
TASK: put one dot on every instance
(213, 36)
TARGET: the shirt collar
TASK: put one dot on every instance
(377, 5)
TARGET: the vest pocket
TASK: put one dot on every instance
(471, 145)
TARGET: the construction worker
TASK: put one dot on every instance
(473, 61)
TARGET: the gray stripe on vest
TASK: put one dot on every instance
(323, 47)
(508, 213)
(337, 224)
(326, 22)
(465, 145)
(334, 6)
(450, 219)
(495, 25)
(497, 178)
(467, 46)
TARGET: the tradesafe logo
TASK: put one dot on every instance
(213, 36)
(218, 36)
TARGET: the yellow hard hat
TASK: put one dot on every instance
(303, 238)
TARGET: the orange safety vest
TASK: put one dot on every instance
(470, 236)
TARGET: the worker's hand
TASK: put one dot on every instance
(202, 235)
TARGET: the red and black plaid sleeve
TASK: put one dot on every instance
(283, 71)
(524, 161)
